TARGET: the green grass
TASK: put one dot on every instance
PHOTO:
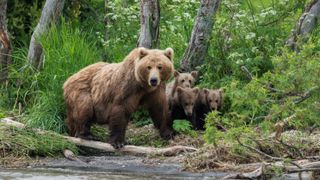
(66, 51)
(27, 142)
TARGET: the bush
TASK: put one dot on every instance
(183, 127)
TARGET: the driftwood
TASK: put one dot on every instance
(106, 147)
(261, 168)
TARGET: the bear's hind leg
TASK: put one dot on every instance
(83, 116)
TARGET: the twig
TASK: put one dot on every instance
(306, 95)
(292, 147)
(258, 151)
(248, 73)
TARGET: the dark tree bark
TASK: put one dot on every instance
(307, 22)
(149, 20)
(5, 44)
(201, 33)
(50, 15)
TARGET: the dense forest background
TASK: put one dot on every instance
(265, 81)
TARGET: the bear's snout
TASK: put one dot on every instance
(189, 114)
(154, 81)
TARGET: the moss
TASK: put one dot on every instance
(27, 142)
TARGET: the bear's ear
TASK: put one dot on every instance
(194, 74)
(142, 52)
(169, 53)
(206, 91)
(176, 73)
(195, 90)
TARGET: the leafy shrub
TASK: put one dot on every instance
(184, 127)
(291, 88)
(141, 118)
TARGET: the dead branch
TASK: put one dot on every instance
(247, 72)
(106, 147)
(307, 94)
(258, 151)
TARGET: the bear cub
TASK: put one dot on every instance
(208, 100)
(181, 105)
(181, 79)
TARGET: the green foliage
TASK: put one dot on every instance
(22, 18)
(141, 118)
(183, 127)
(247, 33)
(66, 51)
(27, 142)
(252, 104)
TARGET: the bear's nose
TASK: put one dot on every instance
(154, 81)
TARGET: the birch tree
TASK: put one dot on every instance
(50, 15)
(201, 33)
(149, 20)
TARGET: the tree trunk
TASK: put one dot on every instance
(150, 20)
(307, 22)
(5, 45)
(50, 15)
(201, 33)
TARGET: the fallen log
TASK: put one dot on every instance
(106, 147)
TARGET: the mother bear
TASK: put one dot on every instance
(109, 93)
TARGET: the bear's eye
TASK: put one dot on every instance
(182, 80)
(149, 67)
(216, 101)
(159, 67)
(210, 100)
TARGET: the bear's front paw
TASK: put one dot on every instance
(167, 134)
(117, 144)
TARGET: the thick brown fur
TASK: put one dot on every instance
(182, 103)
(110, 93)
(181, 79)
(208, 100)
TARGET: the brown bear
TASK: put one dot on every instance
(109, 93)
(182, 80)
(182, 103)
(208, 100)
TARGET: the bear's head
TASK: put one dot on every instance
(214, 98)
(187, 97)
(153, 66)
(185, 79)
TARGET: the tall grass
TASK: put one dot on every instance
(66, 50)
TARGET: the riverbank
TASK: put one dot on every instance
(263, 155)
